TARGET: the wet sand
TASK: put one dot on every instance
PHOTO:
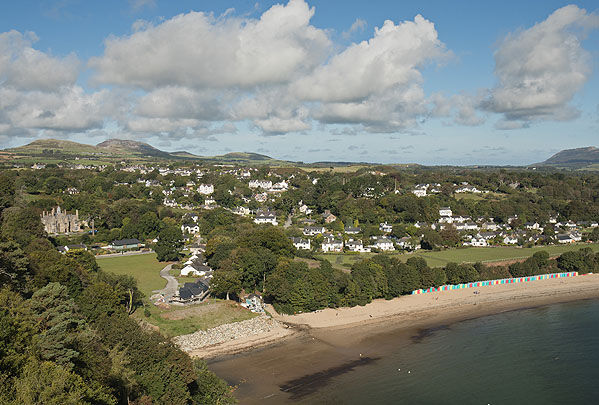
(330, 342)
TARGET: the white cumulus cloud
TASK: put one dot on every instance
(540, 69)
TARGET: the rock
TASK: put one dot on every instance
(226, 332)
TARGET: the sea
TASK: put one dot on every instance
(544, 355)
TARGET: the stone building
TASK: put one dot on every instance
(61, 222)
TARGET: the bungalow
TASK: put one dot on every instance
(510, 240)
(192, 292)
(124, 244)
(301, 243)
(266, 217)
(385, 227)
(351, 230)
(190, 228)
(532, 225)
(332, 245)
(357, 246)
(206, 189)
(313, 230)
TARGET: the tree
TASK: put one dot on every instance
(225, 282)
(170, 242)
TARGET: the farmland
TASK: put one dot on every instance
(465, 255)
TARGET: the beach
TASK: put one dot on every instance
(312, 348)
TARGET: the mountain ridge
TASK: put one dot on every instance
(576, 157)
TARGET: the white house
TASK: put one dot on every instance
(280, 186)
(313, 230)
(385, 227)
(565, 238)
(190, 228)
(206, 189)
(332, 245)
(445, 212)
(243, 211)
(301, 243)
(510, 240)
(419, 192)
(265, 184)
(352, 230)
(303, 208)
(266, 217)
(477, 241)
(357, 246)
(383, 243)
(261, 197)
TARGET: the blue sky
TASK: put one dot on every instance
(432, 82)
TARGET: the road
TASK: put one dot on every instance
(171, 283)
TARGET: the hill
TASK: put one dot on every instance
(574, 158)
(134, 147)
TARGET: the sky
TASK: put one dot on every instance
(429, 82)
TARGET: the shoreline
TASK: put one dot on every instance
(332, 339)
(408, 312)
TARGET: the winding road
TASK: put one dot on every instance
(171, 283)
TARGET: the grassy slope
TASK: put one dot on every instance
(145, 269)
(441, 258)
(175, 320)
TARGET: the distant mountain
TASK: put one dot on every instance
(56, 150)
(135, 147)
(579, 157)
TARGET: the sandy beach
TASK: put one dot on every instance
(327, 342)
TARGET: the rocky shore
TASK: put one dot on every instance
(227, 333)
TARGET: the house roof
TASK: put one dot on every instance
(123, 242)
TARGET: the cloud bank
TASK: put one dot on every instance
(197, 75)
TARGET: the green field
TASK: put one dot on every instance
(145, 269)
(465, 255)
(177, 321)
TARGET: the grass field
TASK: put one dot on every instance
(471, 255)
(177, 321)
(145, 269)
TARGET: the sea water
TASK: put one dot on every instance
(546, 355)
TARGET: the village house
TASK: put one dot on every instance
(264, 184)
(445, 212)
(357, 246)
(243, 211)
(407, 243)
(266, 217)
(383, 243)
(125, 244)
(328, 217)
(313, 230)
(206, 189)
(385, 227)
(477, 241)
(301, 243)
(352, 230)
(332, 245)
(192, 292)
(190, 228)
(510, 240)
(419, 192)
